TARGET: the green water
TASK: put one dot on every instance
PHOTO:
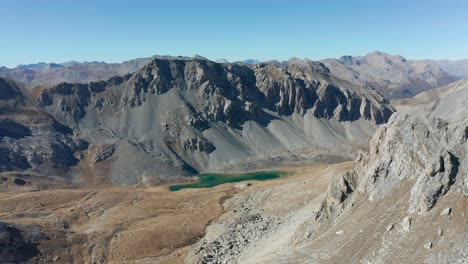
(207, 180)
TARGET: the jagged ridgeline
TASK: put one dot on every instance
(178, 117)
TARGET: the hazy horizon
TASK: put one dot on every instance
(116, 31)
(215, 59)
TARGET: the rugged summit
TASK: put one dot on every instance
(391, 75)
(179, 116)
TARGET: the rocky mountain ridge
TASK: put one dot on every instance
(49, 74)
(392, 76)
(177, 117)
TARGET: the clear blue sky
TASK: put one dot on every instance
(116, 30)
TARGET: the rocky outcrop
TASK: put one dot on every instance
(32, 139)
(427, 154)
(40, 145)
(199, 144)
(103, 152)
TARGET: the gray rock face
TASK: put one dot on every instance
(406, 224)
(392, 76)
(428, 245)
(196, 144)
(446, 211)
(427, 153)
(103, 153)
(39, 145)
(32, 139)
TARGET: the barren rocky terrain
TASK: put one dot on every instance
(403, 202)
(143, 225)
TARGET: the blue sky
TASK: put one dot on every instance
(113, 31)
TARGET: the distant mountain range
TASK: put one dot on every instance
(392, 76)
(48, 74)
(457, 68)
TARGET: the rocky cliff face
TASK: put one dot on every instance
(429, 153)
(31, 139)
(404, 200)
(413, 165)
(182, 116)
(221, 91)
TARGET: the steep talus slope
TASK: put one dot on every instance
(178, 117)
(392, 76)
(404, 202)
(449, 102)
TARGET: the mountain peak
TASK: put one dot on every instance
(199, 57)
(222, 61)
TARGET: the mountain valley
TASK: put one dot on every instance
(371, 152)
